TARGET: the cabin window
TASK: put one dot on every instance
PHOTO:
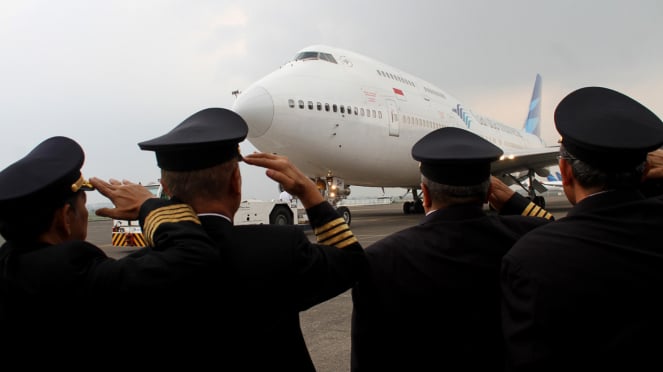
(327, 107)
(373, 111)
(361, 111)
(379, 114)
(356, 111)
(319, 106)
(334, 108)
(310, 105)
(342, 109)
(291, 103)
(301, 104)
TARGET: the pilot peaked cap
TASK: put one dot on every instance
(47, 176)
(206, 138)
(607, 129)
(454, 156)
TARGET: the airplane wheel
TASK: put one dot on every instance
(281, 215)
(345, 213)
(407, 208)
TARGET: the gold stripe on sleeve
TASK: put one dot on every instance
(335, 233)
(322, 230)
(536, 211)
(544, 213)
(528, 209)
(168, 214)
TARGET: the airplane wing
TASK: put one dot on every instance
(526, 160)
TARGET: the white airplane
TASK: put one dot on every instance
(346, 119)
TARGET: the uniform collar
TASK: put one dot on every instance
(455, 212)
(215, 215)
(605, 199)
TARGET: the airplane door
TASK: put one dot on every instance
(394, 126)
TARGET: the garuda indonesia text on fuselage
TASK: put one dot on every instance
(346, 119)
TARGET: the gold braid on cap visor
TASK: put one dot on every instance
(83, 184)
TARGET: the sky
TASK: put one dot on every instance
(112, 73)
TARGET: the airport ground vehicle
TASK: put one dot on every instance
(129, 234)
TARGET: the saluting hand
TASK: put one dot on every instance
(281, 170)
(499, 193)
(126, 196)
(655, 165)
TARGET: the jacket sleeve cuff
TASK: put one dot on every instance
(519, 204)
(329, 227)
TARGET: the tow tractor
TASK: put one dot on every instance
(129, 234)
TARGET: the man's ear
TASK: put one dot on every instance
(566, 170)
(236, 181)
(427, 201)
(164, 189)
(63, 220)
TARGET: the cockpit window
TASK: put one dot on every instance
(327, 57)
(305, 56)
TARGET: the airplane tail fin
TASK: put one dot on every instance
(533, 122)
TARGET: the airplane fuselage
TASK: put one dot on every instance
(353, 117)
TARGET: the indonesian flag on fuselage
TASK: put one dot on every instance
(398, 91)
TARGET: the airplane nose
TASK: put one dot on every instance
(256, 107)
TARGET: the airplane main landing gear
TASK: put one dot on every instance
(533, 187)
(415, 207)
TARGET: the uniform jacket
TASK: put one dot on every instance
(584, 292)
(74, 291)
(431, 300)
(272, 273)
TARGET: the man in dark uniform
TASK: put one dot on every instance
(584, 292)
(269, 273)
(431, 299)
(54, 286)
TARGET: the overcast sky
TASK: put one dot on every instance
(110, 74)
